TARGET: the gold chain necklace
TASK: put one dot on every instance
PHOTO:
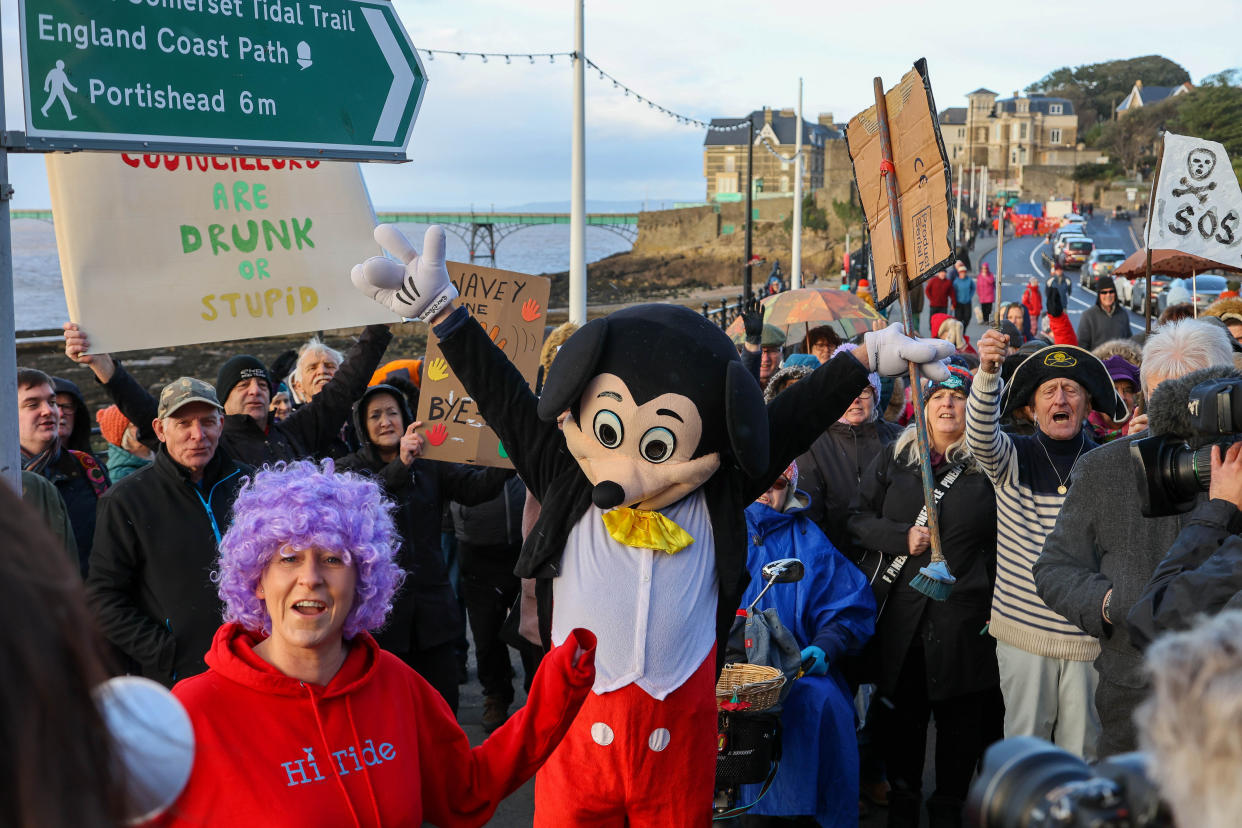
(1062, 489)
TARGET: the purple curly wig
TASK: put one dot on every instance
(304, 505)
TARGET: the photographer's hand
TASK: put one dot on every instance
(1227, 475)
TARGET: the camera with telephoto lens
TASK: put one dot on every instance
(1170, 470)
(1028, 783)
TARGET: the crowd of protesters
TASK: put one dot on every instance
(1061, 581)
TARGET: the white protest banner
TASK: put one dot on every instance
(160, 250)
(1196, 203)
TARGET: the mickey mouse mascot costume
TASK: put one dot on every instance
(663, 440)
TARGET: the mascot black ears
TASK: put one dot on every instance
(657, 349)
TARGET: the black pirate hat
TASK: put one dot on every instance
(1069, 362)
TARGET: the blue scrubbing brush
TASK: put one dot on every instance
(934, 580)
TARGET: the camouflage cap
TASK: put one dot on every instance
(183, 391)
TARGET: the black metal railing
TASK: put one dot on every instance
(728, 311)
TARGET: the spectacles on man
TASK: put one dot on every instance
(1107, 292)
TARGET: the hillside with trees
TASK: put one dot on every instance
(1097, 88)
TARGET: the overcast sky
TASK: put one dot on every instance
(497, 134)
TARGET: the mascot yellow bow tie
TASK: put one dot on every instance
(646, 529)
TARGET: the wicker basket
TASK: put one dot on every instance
(754, 684)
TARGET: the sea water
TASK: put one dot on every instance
(40, 300)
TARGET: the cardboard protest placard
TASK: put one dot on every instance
(160, 250)
(512, 308)
(923, 183)
(1196, 204)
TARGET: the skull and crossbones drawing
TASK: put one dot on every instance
(1199, 163)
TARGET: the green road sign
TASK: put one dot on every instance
(329, 78)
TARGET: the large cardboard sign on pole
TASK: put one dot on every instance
(923, 183)
(512, 308)
(1196, 203)
(160, 250)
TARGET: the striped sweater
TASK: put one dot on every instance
(1027, 505)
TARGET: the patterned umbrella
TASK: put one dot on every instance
(1170, 263)
(797, 311)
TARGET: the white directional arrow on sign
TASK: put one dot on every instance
(402, 77)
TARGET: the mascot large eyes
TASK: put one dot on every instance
(608, 428)
(657, 445)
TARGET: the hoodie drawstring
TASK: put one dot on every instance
(328, 750)
(366, 771)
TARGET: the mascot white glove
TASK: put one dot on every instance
(414, 285)
(887, 352)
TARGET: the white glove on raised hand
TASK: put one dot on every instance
(889, 351)
(414, 285)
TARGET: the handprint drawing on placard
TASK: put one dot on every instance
(437, 369)
(437, 434)
(494, 333)
(530, 310)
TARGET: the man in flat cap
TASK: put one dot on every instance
(156, 536)
(1045, 661)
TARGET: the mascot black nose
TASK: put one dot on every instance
(608, 495)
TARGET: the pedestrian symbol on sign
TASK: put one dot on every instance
(55, 84)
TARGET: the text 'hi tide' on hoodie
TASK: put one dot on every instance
(375, 747)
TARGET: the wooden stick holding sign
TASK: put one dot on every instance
(512, 308)
(936, 582)
(1151, 212)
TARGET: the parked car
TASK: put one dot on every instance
(1206, 289)
(1159, 282)
(1061, 236)
(1101, 262)
(1075, 251)
(1077, 226)
(1125, 288)
(1121, 214)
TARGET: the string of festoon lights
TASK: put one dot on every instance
(534, 57)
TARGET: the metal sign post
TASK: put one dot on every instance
(330, 79)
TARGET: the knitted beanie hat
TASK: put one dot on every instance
(112, 424)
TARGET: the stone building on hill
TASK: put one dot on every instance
(1141, 96)
(724, 153)
(1008, 134)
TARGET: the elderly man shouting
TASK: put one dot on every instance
(1046, 674)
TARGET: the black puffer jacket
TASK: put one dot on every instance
(155, 548)
(831, 470)
(425, 611)
(960, 656)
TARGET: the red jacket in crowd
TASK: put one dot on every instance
(1034, 302)
(939, 292)
(376, 747)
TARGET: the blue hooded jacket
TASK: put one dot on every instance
(833, 608)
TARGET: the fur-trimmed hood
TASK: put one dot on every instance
(1225, 309)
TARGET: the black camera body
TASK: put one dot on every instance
(1028, 783)
(1171, 471)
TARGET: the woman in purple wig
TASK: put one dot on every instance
(301, 718)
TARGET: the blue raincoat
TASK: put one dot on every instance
(833, 608)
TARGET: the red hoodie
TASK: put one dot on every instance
(376, 747)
